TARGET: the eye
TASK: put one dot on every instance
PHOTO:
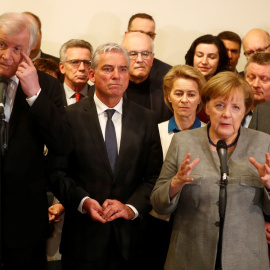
(219, 106)
(191, 94)
(123, 69)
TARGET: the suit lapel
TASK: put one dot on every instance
(92, 124)
(127, 136)
(19, 110)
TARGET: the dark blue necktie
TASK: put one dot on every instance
(110, 139)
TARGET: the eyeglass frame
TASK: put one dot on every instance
(85, 63)
(150, 53)
(257, 51)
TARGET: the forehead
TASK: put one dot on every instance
(112, 59)
(206, 48)
(135, 43)
(258, 70)
(231, 45)
(16, 40)
(256, 41)
(185, 84)
(234, 96)
(78, 53)
(142, 25)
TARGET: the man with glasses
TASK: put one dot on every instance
(75, 63)
(144, 89)
(144, 23)
(256, 41)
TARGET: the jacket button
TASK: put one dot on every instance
(217, 203)
(217, 224)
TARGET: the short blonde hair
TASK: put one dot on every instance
(177, 72)
(226, 84)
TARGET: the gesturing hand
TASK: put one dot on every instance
(263, 169)
(182, 176)
(27, 74)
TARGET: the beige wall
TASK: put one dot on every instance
(178, 22)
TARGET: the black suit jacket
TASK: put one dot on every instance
(159, 69)
(24, 182)
(157, 104)
(88, 173)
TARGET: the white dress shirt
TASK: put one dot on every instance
(70, 94)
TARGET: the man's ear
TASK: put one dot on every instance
(62, 68)
(92, 76)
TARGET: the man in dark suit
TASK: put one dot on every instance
(144, 90)
(106, 191)
(36, 51)
(144, 23)
(75, 63)
(34, 116)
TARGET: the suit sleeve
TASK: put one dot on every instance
(50, 116)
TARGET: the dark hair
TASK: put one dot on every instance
(141, 16)
(229, 35)
(209, 39)
(47, 65)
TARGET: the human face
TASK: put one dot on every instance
(144, 26)
(111, 77)
(255, 42)
(139, 68)
(258, 77)
(233, 51)
(225, 116)
(185, 98)
(76, 77)
(11, 47)
(206, 58)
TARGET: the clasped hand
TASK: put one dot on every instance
(109, 211)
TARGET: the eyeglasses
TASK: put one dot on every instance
(249, 53)
(76, 63)
(145, 55)
(150, 34)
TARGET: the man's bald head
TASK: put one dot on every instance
(256, 40)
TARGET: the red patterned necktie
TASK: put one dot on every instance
(78, 96)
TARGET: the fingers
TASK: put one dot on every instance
(111, 209)
(27, 59)
(254, 163)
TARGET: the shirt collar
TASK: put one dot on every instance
(101, 107)
(70, 93)
(172, 127)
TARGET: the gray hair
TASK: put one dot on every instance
(262, 59)
(108, 48)
(12, 23)
(74, 43)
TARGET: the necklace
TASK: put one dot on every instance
(230, 145)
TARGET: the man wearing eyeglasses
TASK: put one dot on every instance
(75, 63)
(144, 23)
(256, 41)
(144, 89)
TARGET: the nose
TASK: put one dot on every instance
(227, 112)
(256, 82)
(184, 98)
(229, 54)
(205, 59)
(81, 66)
(115, 73)
(139, 58)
